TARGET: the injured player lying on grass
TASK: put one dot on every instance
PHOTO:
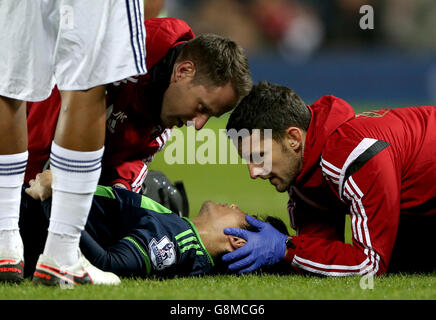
(134, 236)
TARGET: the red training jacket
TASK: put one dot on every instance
(133, 133)
(375, 166)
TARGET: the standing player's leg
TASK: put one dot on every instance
(75, 162)
(99, 43)
(25, 75)
(13, 159)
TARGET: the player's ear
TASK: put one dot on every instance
(294, 138)
(184, 69)
(236, 242)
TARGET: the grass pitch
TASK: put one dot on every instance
(247, 287)
(230, 183)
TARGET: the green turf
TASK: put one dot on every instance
(231, 184)
(252, 287)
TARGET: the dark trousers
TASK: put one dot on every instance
(33, 225)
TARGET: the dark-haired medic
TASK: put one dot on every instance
(189, 79)
(378, 167)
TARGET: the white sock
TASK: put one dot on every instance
(12, 169)
(11, 243)
(63, 248)
(75, 177)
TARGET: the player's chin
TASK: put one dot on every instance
(276, 183)
(281, 187)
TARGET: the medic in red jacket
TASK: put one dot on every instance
(377, 166)
(133, 133)
(375, 172)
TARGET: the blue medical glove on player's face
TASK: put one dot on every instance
(266, 247)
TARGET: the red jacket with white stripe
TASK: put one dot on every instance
(133, 133)
(374, 166)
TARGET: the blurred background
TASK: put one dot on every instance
(315, 47)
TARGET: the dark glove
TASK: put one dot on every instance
(265, 247)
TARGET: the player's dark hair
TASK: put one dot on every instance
(218, 61)
(270, 106)
(277, 223)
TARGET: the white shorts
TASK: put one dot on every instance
(76, 44)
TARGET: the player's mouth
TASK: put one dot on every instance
(273, 181)
(225, 205)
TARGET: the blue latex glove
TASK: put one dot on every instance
(266, 247)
